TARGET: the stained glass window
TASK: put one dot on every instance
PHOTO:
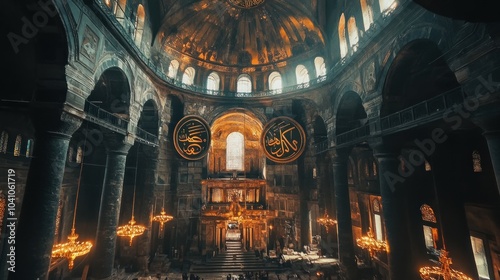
(427, 166)
(352, 30)
(71, 152)
(342, 36)
(479, 251)
(17, 146)
(79, 154)
(427, 213)
(29, 148)
(367, 14)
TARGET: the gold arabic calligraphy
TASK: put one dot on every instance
(192, 139)
(281, 145)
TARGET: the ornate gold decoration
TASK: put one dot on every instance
(283, 140)
(192, 137)
(72, 249)
(444, 272)
(246, 3)
(371, 244)
(326, 221)
(132, 230)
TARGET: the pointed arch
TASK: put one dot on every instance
(139, 24)
(342, 36)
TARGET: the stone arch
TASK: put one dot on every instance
(110, 61)
(432, 32)
(349, 112)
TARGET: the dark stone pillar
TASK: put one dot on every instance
(395, 209)
(104, 250)
(36, 225)
(493, 139)
(147, 172)
(488, 119)
(344, 224)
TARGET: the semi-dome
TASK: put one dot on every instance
(240, 33)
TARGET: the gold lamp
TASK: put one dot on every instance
(131, 229)
(163, 217)
(326, 221)
(73, 248)
(370, 243)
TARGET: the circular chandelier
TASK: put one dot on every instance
(326, 221)
(130, 230)
(444, 271)
(371, 244)
(162, 218)
(73, 249)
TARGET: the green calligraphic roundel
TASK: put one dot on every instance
(192, 137)
(283, 140)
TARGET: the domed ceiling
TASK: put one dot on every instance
(239, 32)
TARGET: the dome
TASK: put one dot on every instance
(240, 33)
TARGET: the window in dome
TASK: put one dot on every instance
(120, 10)
(342, 37)
(320, 66)
(352, 29)
(17, 146)
(235, 151)
(302, 74)
(188, 77)
(172, 69)
(275, 82)
(4, 140)
(386, 6)
(213, 82)
(244, 83)
(139, 24)
(367, 14)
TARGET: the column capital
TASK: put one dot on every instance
(117, 143)
(56, 122)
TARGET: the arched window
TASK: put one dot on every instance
(17, 145)
(108, 3)
(319, 64)
(428, 166)
(302, 74)
(352, 29)
(275, 81)
(377, 219)
(367, 14)
(4, 140)
(387, 6)
(29, 148)
(71, 153)
(188, 77)
(235, 151)
(429, 227)
(139, 24)
(342, 37)
(476, 162)
(120, 10)
(213, 82)
(79, 154)
(244, 84)
(172, 69)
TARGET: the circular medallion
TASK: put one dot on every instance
(192, 137)
(283, 140)
(247, 4)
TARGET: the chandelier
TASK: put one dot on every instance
(371, 244)
(163, 217)
(73, 249)
(132, 230)
(444, 271)
(326, 221)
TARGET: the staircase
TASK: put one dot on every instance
(234, 261)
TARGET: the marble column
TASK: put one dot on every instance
(395, 213)
(147, 173)
(104, 248)
(344, 224)
(34, 236)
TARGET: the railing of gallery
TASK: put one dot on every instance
(425, 111)
(115, 123)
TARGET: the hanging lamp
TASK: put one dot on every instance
(370, 243)
(73, 248)
(162, 218)
(326, 221)
(131, 229)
